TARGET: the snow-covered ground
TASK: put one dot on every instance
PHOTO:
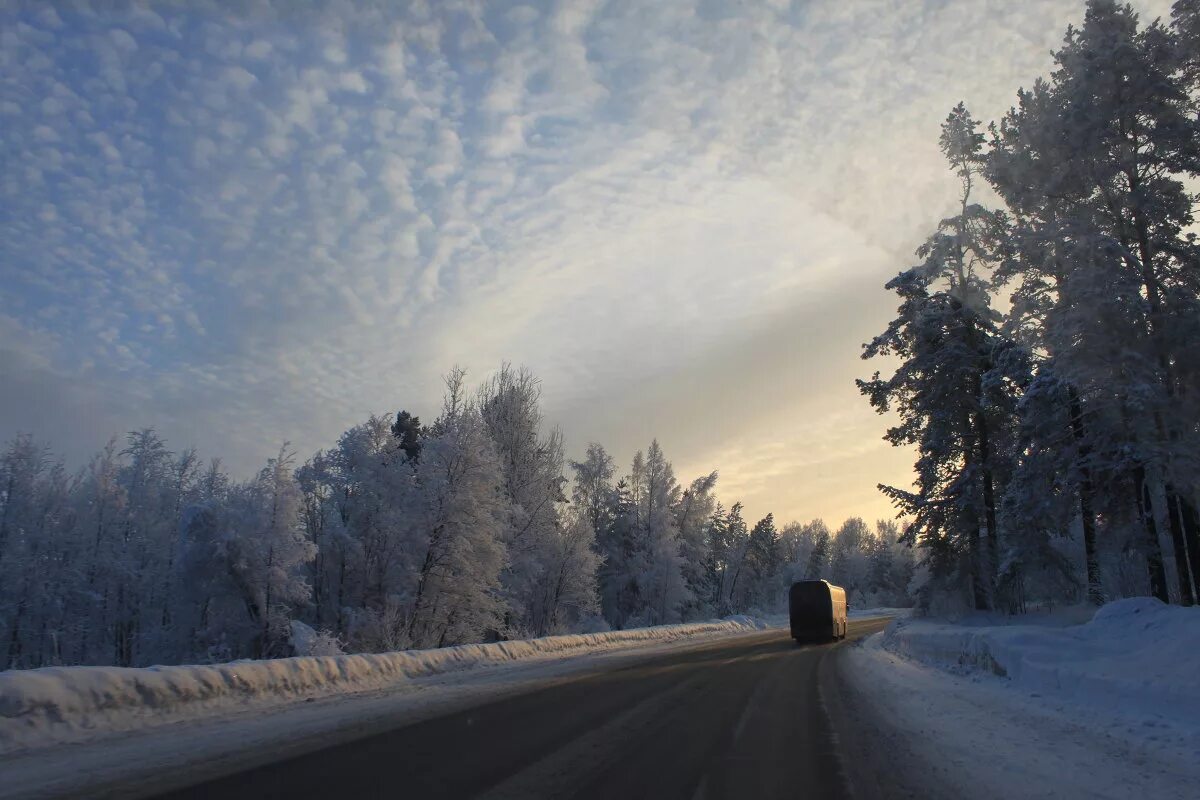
(1109, 708)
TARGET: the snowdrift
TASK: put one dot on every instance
(1135, 655)
(42, 706)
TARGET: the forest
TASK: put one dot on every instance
(399, 536)
(1048, 340)
(1043, 367)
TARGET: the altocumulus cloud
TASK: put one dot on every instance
(244, 226)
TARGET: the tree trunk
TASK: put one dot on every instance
(8, 493)
(1095, 593)
(14, 642)
(992, 549)
(1191, 534)
(341, 617)
(1168, 433)
(427, 567)
(979, 584)
(1154, 559)
(266, 616)
(1175, 524)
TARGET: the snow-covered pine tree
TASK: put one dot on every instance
(795, 545)
(693, 514)
(408, 429)
(716, 552)
(663, 591)
(732, 559)
(951, 390)
(849, 562)
(1092, 162)
(817, 565)
(756, 590)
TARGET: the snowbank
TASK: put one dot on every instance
(1136, 655)
(963, 732)
(58, 703)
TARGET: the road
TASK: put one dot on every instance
(741, 717)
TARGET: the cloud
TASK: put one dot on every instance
(249, 226)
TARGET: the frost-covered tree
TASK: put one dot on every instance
(460, 533)
(818, 556)
(242, 565)
(730, 541)
(953, 388)
(146, 544)
(397, 536)
(34, 576)
(532, 463)
(693, 516)
(357, 501)
(1093, 163)
(603, 506)
(266, 551)
(100, 505)
(757, 587)
(569, 589)
(593, 492)
(662, 592)
(852, 548)
(892, 566)
(1076, 422)
(716, 553)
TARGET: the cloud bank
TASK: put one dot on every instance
(245, 226)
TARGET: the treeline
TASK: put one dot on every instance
(1059, 440)
(400, 536)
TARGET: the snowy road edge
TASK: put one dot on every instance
(932, 713)
(58, 704)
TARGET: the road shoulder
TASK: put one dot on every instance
(174, 754)
(911, 730)
(877, 759)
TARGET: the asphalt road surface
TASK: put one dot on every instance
(743, 717)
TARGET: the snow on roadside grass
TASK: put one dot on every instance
(1134, 656)
(53, 704)
(981, 736)
(1109, 708)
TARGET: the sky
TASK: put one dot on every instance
(244, 223)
